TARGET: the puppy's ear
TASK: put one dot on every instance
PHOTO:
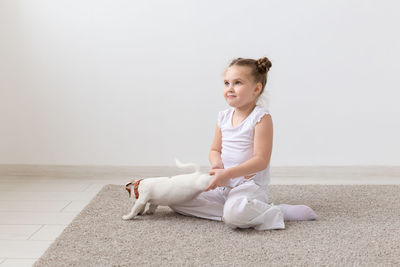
(128, 187)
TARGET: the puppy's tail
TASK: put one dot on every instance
(187, 165)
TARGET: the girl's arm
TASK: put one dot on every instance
(215, 152)
(263, 136)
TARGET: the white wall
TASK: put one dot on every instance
(139, 82)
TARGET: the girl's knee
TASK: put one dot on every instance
(235, 212)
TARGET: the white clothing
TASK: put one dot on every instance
(244, 206)
(237, 143)
(243, 202)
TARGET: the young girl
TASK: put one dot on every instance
(240, 156)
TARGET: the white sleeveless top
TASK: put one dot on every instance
(238, 142)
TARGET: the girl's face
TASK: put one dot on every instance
(240, 89)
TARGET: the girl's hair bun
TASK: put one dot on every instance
(263, 65)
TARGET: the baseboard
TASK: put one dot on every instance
(126, 171)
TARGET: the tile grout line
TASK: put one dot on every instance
(40, 228)
(34, 259)
(19, 240)
(19, 259)
(66, 206)
(86, 188)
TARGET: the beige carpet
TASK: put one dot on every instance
(357, 225)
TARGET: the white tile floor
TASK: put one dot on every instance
(35, 210)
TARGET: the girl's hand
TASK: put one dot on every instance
(218, 165)
(221, 179)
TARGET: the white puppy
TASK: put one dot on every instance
(166, 191)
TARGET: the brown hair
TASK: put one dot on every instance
(259, 68)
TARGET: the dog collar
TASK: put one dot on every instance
(135, 188)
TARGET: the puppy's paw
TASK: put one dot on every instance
(126, 217)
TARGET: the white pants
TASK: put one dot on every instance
(243, 206)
